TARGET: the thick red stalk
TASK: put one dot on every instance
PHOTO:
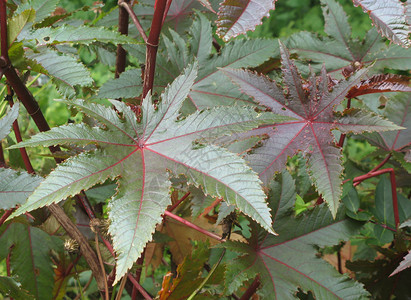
(174, 206)
(126, 5)
(123, 29)
(6, 214)
(193, 226)
(251, 289)
(3, 31)
(152, 45)
(17, 133)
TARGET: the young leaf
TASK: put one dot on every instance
(7, 121)
(341, 52)
(404, 264)
(15, 187)
(237, 17)
(139, 156)
(292, 256)
(381, 83)
(390, 19)
(311, 103)
(30, 258)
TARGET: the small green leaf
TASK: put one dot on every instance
(7, 121)
(16, 24)
(16, 187)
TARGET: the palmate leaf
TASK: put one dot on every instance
(389, 17)
(30, 258)
(341, 52)
(290, 259)
(236, 17)
(207, 90)
(7, 121)
(16, 187)
(140, 155)
(311, 103)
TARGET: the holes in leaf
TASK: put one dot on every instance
(46, 38)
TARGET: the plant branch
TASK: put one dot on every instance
(123, 29)
(193, 226)
(251, 289)
(359, 179)
(174, 206)
(100, 260)
(126, 5)
(152, 46)
(3, 31)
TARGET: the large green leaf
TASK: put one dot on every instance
(16, 187)
(7, 121)
(30, 258)
(311, 103)
(341, 52)
(289, 260)
(237, 17)
(140, 155)
(389, 16)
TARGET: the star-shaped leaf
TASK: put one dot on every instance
(141, 155)
(341, 52)
(291, 259)
(311, 103)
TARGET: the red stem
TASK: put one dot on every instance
(128, 8)
(166, 11)
(152, 46)
(359, 179)
(251, 289)
(121, 53)
(6, 214)
(193, 226)
(174, 206)
(17, 133)
(3, 31)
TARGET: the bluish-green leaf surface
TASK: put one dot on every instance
(141, 155)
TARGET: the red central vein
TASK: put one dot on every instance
(286, 147)
(100, 171)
